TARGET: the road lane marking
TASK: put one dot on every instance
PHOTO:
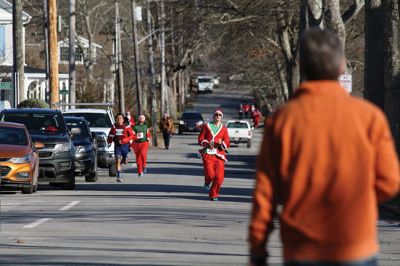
(73, 203)
(38, 222)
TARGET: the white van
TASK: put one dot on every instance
(205, 84)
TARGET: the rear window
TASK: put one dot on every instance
(204, 80)
(84, 132)
(38, 122)
(13, 136)
(237, 125)
(192, 116)
(94, 119)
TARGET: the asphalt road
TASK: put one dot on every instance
(163, 218)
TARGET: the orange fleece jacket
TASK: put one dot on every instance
(328, 158)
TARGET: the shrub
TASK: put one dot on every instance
(33, 103)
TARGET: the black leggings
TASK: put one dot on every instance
(166, 137)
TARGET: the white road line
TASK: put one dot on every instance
(73, 203)
(38, 222)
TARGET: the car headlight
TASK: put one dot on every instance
(200, 122)
(26, 159)
(181, 122)
(63, 147)
(84, 148)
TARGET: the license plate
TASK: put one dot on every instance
(191, 128)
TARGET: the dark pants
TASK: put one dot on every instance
(166, 137)
(366, 262)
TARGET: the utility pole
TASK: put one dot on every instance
(46, 47)
(72, 72)
(120, 72)
(153, 108)
(164, 93)
(54, 90)
(18, 54)
(136, 54)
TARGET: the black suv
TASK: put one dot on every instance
(56, 163)
(190, 121)
(85, 148)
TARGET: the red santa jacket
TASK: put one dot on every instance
(120, 134)
(206, 137)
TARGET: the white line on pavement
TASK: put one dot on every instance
(73, 203)
(38, 222)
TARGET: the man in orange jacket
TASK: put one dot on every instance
(328, 159)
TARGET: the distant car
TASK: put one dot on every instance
(57, 157)
(190, 121)
(85, 148)
(239, 131)
(100, 122)
(19, 159)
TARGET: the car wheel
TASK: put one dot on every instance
(112, 170)
(248, 143)
(27, 190)
(92, 176)
(35, 187)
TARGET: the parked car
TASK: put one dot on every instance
(19, 159)
(239, 131)
(190, 121)
(100, 122)
(56, 164)
(85, 148)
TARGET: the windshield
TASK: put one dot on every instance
(83, 130)
(38, 122)
(13, 136)
(237, 125)
(94, 119)
(204, 80)
(192, 116)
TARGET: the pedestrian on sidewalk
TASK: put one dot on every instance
(328, 158)
(140, 144)
(214, 139)
(166, 127)
(120, 133)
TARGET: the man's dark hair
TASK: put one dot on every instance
(321, 55)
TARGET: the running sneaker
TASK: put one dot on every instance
(207, 186)
(140, 174)
(119, 179)
(214, 199)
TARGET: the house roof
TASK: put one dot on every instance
(6, 13)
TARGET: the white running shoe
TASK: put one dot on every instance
(119, 179)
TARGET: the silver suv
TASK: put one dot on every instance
(100, 122)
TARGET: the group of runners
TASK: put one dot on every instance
(126, 134)
(213, 139)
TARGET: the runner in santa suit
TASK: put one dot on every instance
(120, 133)
(256, 116)
(214, 139)
(140, 144)
(129, 119)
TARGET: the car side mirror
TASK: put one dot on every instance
(38, 145)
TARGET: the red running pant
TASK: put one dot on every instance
(140, 150)
(213, 172)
